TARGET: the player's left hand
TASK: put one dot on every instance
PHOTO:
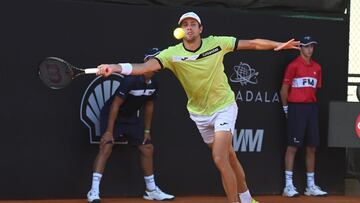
(291, 44)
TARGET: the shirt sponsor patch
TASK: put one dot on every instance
(197, 56)
(146, 92)
(304, 82)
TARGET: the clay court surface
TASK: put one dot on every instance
(206, 199)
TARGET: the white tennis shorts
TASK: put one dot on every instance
(222, 120)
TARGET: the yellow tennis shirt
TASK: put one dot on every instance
(201, 73)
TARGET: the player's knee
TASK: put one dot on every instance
(311, 150)
(291, 150)
(232, 155)
(219, 160)
(146, 150)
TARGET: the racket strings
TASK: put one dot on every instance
(55, 73)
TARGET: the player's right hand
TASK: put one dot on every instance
(291, 44)
(106, 70)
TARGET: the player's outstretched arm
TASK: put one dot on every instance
(265, 44)
(129, 69)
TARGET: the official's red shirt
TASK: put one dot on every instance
(303, 79)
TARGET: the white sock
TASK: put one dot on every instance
(245, 197)
(96, 181)
(288, 178)
(310, 179)
(150, 182)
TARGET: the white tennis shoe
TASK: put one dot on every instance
(315, 191)
(93, 196)
(157, 194)
(290, 191)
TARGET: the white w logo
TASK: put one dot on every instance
(247, 142)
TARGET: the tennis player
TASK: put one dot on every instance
(198, 64)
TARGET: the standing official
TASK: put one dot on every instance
(298, 95)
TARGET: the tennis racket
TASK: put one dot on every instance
(56, 73)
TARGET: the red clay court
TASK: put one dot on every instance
(207, 199)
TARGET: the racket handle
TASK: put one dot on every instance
(91, 70)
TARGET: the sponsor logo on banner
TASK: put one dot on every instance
(95, 96)
(246, 75)
(357, 126)
(248, 140)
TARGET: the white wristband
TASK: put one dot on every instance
(285, 109)
(126, 68)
